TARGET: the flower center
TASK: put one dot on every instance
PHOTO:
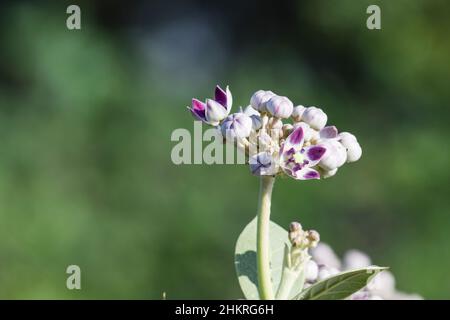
(298, 157)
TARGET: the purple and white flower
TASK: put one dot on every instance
(213, 111)
(298, 161)
(303, 149)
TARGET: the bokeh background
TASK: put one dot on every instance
(86, 118)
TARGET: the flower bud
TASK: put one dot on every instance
(354, 153)
(236, 125)
(297, 113)
(346, 138)
(259, 99)
(315, 117)
(255, 116)
(280, 107)
(382, 284)
(326, 272)
(215, 112)
(295, 226)
(324, 254)
(311, 271)
(334, 157)
(349, 141)
(313, 238)
(355, 259)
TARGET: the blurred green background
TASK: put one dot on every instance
(86, 118)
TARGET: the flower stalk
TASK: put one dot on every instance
(262, 239)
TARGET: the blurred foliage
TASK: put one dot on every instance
(86, 118)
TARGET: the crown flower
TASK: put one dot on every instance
(280, 139)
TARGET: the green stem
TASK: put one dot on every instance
(262, 239)
(288, 279)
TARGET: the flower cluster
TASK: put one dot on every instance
(303, 147)
(325, 263)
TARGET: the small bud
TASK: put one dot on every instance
(280, 107)
(315, 117)
(297, 113)
(313, 237)
(259, 99)
(295, 226)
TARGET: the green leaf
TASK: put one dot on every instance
(340, 286)
(245, 258)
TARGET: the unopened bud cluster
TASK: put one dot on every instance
(302, 239)
(303, 147)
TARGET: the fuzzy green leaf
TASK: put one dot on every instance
(340, 286)
(245, 258)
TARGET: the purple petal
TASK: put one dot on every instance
(221, 96)
(296, 137)
(329, 132)
(307, 174)
(315, 153)
(198, 109)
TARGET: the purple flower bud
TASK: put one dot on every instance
(236, 125)
(315, 117)
(224, 97)
(280, 107)
(259, 99)
(198, 110)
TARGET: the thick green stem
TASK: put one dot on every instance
(262, 239)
